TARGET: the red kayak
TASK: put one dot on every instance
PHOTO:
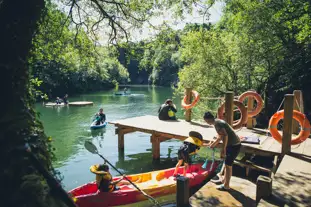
(156, 184)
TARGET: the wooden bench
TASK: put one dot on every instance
(248, 165)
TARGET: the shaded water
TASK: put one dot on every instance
(70, 127)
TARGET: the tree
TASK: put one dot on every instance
(263, 45)
(24, 184)
(67, 62)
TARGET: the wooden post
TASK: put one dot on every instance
(287, 125)
(250, 106)
(298, 107)
(263, 187)
(120, 139)
(229, 107)
(182, 195)
(155, 147)
(188, 101)
(121, 155)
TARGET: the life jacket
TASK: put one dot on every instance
(103, 179)
(171, 113)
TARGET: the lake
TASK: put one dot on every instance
(69, 127)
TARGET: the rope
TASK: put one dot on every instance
(280, 105)
(212, 98)
(297, 104)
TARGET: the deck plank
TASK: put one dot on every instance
(242, 193)
(307, 147)
(292, 183)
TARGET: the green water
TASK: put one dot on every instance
(70, 127)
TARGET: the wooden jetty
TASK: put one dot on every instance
(291, 182)
(163, 130)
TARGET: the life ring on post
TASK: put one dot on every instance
(196, 99)
(258, 99)
(298, 116)
(238, 123)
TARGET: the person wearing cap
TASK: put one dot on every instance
(231, 146)
(167, 110)
(100, 117)
(104, 178)
(190, 147)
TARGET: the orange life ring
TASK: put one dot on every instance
(189, 106)
(238, 123)
(303, 122)
(258, 99)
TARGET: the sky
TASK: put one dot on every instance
(215, 14)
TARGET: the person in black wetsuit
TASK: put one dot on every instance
(167, 110)
(190, 147)
(100, 117)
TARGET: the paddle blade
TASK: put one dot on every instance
(205, 164)
(90, 147)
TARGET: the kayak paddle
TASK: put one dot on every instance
(93, 149)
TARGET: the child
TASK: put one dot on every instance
(190, 146)
(104, 179)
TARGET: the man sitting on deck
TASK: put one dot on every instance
(231, 146)
(104, 179)
(167, 111)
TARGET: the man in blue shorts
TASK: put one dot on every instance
(231, 146)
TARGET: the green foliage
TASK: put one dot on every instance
(67, 62)
(159, 57)
(264, 45)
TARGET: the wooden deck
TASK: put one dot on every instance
(164, 130)
(242, 193)
(291, 184)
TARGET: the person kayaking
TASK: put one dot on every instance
(230, 149)
(167, 110)
(125, 90)
(190, 147)
(58, 100)
(104, 178)
(100, 117)
(65, 99)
